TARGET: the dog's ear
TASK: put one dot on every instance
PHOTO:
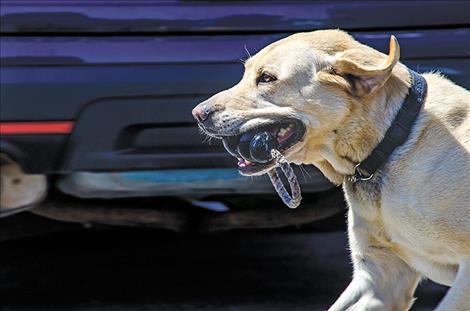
(359, 79)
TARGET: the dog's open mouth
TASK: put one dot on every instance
(253, 148)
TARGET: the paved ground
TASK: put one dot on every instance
(126, 269)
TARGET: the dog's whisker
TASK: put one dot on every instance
(305, 172)
(247, 52)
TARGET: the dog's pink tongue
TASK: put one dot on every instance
(242, 162)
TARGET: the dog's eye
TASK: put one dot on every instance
(265, 78)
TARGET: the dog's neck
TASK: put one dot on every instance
(363, 128)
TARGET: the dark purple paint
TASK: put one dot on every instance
(422, 44)
(232, 16)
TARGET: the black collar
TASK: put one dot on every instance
(397, 133)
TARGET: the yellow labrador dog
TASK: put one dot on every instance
(330, 101)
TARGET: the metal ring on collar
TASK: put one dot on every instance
(358, 176)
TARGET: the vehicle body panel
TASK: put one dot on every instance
(127, 73)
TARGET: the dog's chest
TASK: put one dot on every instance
(416, 237)
(392, 224)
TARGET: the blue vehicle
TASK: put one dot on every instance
(96, 97)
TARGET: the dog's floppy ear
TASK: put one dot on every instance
(359, 79)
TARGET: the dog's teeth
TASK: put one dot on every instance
(284, 131)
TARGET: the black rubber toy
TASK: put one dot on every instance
(230, 144)
(243, 146)
(252, 146)
(261, 145)
(256, 147)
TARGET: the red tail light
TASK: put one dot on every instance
(46, 127)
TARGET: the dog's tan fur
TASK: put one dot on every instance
(411, 221)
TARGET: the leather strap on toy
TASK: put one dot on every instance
(291, 200)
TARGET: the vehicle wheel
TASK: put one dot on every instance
(19, 191)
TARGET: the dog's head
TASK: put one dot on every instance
(299, 89)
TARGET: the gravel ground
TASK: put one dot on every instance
(135, 269)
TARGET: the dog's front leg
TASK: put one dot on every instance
(458, 296)
(381, 280)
